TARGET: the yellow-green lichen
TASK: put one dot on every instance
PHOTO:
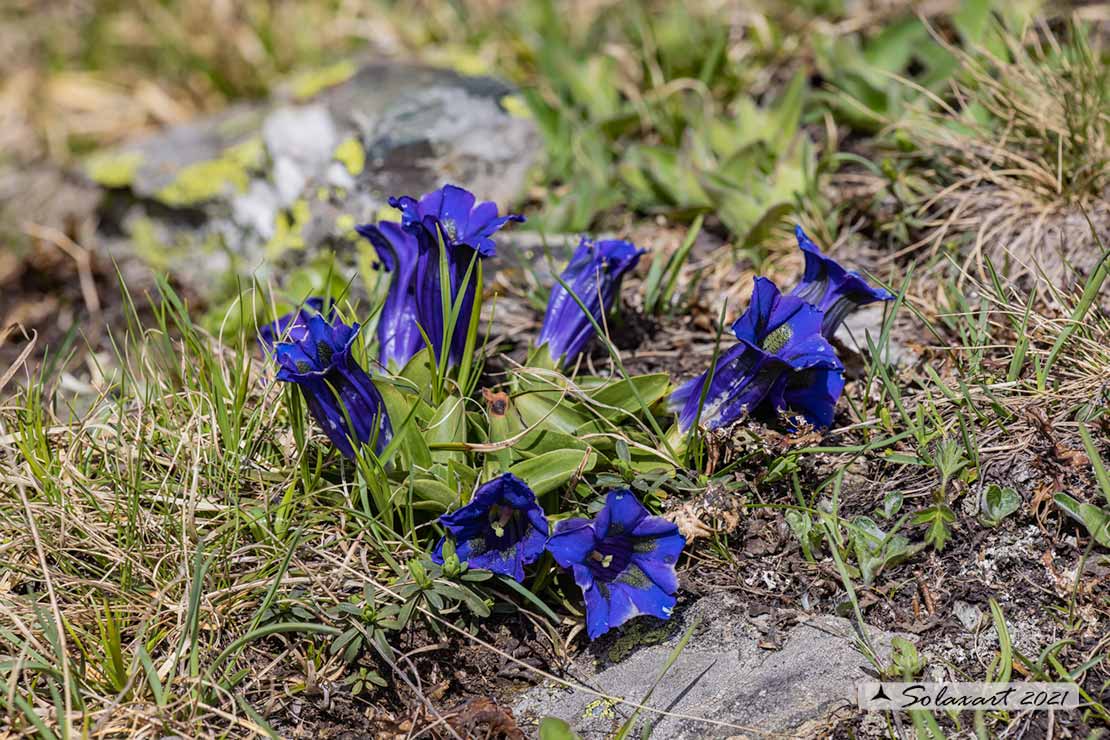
(307, 84)
(206, 180)
(113, 169)
(250, 153)
(599, 709)
(351, 154)
(387, 213)
(461, 60)
(289, 229)
(345, 226)
(515, 106)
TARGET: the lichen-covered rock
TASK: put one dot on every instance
(260, 187)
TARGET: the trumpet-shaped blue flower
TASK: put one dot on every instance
(594, 273)
(339, 393)
(624, 562)
(292, 325)
(781, 363)
(398, 331)
(834, 290)
(466, 230)
(502, 529)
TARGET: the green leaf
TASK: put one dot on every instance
(1101, 475)
(550, 410)
(553, 728)
(783, 121)
(971, 20)
(1096, 520)
(539, 441)
(545, 473)
(892, 503)
(998, 503)
(448, 424)
(420, 369)
(876, 550)
(414, 450)
(938, 518)
(430, 489)
(622, 396)
(502, 427)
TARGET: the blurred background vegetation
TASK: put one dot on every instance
(739, 110)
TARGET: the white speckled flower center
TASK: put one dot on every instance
(777, 339)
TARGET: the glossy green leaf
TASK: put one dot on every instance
(429, 489)
(420, 370)
(412, 447)
(448, 424)
(621, 395)
(540, 441)
(551, 410)
(546, 472)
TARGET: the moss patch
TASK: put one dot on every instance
(641, 632)
(113, 169)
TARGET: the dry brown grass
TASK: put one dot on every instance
(1018, 168)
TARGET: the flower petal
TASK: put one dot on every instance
(455, 204)
(827, 285)
(812, 351)
(821, 273)
(620, 516)
(508, 561)
(814, 393)
(572, 542)
(752, 324)
(593, 274)
(597, 603)
(642, 596)
(742, 378)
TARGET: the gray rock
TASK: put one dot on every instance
(261, 188)
(968, 614)
(733, 676)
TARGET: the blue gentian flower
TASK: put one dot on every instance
(336, 388)
(781, 363)
(834, 290)
(398, 331)
(466, 230)
(502, 529)
(594, 273)
(292, 325)
(623, 560)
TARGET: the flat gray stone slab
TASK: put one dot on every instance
(744, 682)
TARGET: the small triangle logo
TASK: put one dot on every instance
(880, 694)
